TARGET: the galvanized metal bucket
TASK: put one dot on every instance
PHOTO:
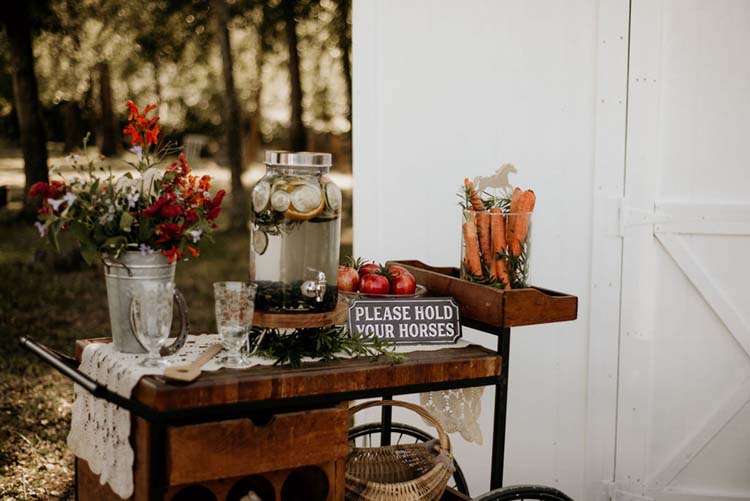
(120, 275)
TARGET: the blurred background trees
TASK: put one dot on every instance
(239, 76)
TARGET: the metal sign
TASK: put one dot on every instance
(429, 320)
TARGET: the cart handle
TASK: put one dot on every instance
(67, 367)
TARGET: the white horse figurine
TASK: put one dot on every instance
(499, 180)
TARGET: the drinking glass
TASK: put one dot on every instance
(151, 315)
(234, 303)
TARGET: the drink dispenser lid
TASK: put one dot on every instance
(298, 159)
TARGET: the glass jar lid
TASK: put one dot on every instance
(298, 159)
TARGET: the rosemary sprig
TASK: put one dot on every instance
(327, 343)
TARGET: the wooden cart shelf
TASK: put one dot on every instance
(266, 387)
(492, 308)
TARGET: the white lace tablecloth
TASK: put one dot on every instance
(100, 431)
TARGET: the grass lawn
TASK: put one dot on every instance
(55, 301)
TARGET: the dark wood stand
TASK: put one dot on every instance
(267, 423)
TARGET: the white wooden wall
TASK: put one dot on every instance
(629, 120)
(446, 90)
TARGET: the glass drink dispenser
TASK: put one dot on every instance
(295, 233)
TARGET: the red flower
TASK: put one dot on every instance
(133, 110)
(171, 210)
(156, 206)
(168, 231)
(135, 136)
(152, 135)
(173, 254)
(39, 190)
(214, 206)
(195, 252)
(141, 128)
(192, 216)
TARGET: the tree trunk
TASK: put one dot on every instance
(345, 45)
(297, 133)
(108, 139)
(25, 91)
(232, 121)
(73, 136)
(157, 82)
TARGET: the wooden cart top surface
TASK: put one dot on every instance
(228, 386)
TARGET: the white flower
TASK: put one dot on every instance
(137, 151)
(56, 203)
(70, 198)
(125, 182)
(132, 197)
(41, 228)
(149, 178)
(195, 235)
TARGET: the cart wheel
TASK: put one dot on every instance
(531, 492)
(368, 435)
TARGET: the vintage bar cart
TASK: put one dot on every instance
(271, 427)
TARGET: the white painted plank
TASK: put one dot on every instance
(609, 174)
(639, 250)
(366, 127)
(703, 218)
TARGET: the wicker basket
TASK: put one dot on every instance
(408, 472)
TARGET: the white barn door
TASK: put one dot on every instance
(683, 404)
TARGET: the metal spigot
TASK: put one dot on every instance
(315, 288)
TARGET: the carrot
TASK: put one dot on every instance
(521, 228)
(498, 266)
(473, 196)
(514, 201)
(471, 253)
(485, 242)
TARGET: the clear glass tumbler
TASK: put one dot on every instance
(234, 304)
(152, 318)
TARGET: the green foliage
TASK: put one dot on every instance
(327, 343)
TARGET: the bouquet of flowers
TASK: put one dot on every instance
(153, 209)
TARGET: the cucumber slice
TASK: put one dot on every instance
(260, 241)
(333, 195)
(261, 194)
(280, 200)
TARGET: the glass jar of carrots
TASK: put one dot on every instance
(496, 238)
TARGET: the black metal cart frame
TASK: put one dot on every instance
(260, 411)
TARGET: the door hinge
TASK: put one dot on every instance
(625, 216)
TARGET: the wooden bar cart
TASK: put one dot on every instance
(277, 430)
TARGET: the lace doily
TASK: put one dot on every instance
(457, 410)
(100, 431)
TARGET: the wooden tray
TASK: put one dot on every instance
(493, 307)
(302, 320)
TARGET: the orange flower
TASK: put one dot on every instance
(152, 135)
(195, 252)
(133, 110)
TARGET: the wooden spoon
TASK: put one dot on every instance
(191, 371)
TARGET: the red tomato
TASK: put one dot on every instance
(368, 269)
(397, 270)
(403, 283)
(374, 284)
(348, 279)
